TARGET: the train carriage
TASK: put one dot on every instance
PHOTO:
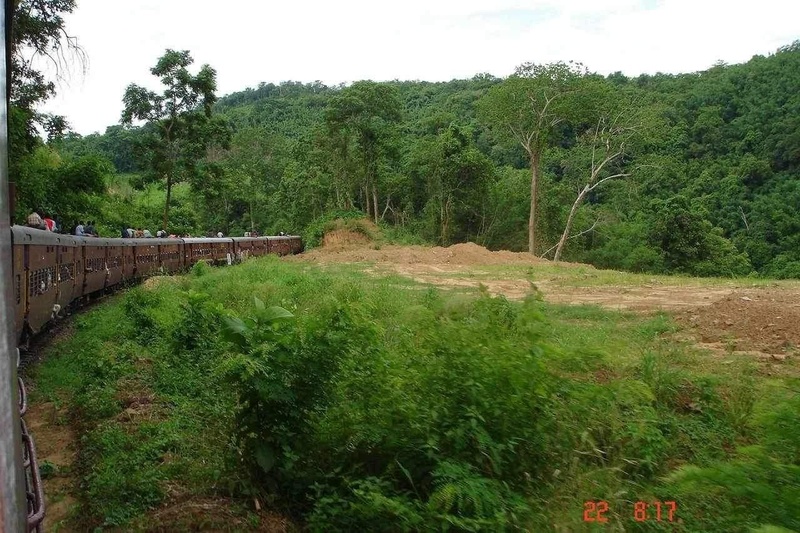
(70, 275)
(260, 246)
(171, 257)
(296, 244)
(146, 256)
(222, 251)
(245, 247)
(52, 270)
(280, 245)
(95, 269)
(115, 261)
(37, 252)
(128, 259)
(211, 250)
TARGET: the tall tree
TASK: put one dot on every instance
(368, 111)
(180, 118)
(35, 36)
(619, 120)
(457, 177)
(528, 108)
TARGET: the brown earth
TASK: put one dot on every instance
(766, 321)
(55, 444)
(649, 297)
(763, 321)
(351, 250)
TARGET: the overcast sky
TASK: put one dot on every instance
(250, 41)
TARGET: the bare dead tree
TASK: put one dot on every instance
(609, 140)
(584, 232)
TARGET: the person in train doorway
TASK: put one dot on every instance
(35, 221)
(79, 229)
(49, 222)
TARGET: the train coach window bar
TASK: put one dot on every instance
(67, 273)
(95, 264)
(40, 281)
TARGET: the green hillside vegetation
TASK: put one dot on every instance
(350, 402)
(708, 163)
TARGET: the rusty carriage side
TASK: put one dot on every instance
(212, 250)
(170, 255)
(245, 247)
(280, 245)
(107, 263)
(39, 285)
(145, 256)
(295, 244)
(95, 264)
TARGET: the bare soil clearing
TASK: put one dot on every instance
(463, 265)
(766, 321)
(719, 315)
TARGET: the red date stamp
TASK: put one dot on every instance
(642, 511)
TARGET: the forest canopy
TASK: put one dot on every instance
(693, 173)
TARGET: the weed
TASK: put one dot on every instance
(362, 403)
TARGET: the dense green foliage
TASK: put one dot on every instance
(179, 127)
(705, 164)
(36, 34)
(360, 403)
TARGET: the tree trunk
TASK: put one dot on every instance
(375, 201)
(570, 219)
(166, 204)
(252, 223)
(446, 221)
(367, 202)
(442, 228)
(535, 156)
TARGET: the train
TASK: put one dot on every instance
(53, 273)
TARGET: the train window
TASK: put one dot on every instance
(41, 281)
(67, 273)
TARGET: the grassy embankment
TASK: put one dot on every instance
(376, 407)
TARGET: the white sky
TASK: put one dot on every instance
(250, 41)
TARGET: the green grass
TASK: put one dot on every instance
(386, 405)
(588, 276)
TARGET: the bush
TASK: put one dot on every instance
(328, 393)
(314, 232)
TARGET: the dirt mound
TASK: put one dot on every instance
(343, 238)
(765, 320)
(463, 254)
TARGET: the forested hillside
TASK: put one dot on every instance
(694, 173)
